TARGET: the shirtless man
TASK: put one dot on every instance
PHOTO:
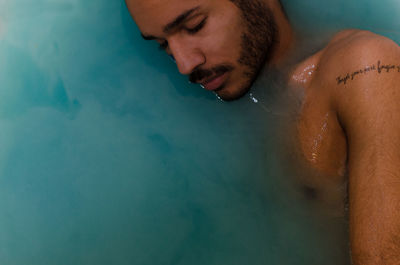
(351, 107)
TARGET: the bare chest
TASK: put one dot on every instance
(321, 140)
(322, 150)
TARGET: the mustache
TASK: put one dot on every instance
(200, 74)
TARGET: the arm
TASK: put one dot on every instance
(369, 110)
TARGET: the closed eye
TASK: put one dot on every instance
(197, 28)
(164, 44)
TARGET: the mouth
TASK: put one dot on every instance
(215, 83)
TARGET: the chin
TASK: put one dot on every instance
(231, 93)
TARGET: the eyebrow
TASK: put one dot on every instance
(174, 24)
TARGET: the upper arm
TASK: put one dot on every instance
(368, 106)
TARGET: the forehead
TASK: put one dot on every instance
(152, 13)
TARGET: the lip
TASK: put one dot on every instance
(215, 83)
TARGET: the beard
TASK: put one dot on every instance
(258, 40)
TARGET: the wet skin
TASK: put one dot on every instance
(348, 128)
(350, 131)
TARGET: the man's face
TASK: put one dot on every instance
(220, 44)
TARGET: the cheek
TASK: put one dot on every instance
(223, 41)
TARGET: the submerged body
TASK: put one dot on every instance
(348, 128)
(348, 132)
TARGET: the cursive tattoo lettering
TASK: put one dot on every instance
(379, 67)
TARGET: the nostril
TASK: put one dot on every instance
(172, 58)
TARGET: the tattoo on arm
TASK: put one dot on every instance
(379, 68)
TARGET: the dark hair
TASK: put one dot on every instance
(242, 3)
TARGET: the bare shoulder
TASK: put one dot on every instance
(357, 61)
(354, 50)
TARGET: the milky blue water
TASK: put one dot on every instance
(108, 156)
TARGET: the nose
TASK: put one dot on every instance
(186, 55)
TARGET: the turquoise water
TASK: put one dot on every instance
(108, 156)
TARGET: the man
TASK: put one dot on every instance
(350, 115)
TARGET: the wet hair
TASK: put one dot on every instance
(240, 3)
